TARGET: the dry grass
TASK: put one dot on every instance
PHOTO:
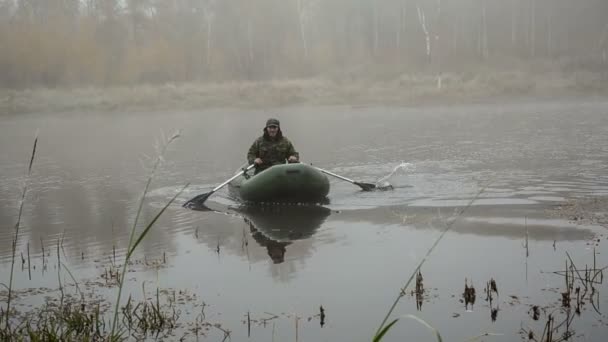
(369, 87)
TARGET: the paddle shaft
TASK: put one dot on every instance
(232, 178)
(335, 175)
(362, 185)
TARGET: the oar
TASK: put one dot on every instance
(363, 186)
(200, 199)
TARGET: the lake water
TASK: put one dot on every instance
(494, 174)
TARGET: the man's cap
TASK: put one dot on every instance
(272, 122)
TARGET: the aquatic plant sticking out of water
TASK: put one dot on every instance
(551, 330)
(491, 288)
(384, 327)
(548, 332)
(535, 312)
(29, 264)
(150, 317)
(66, 320)
(419, 291)
(580, 288)
(468, 295)
(585, 290)
(494, 313)
(7, 328)
(248, 324)
(322, 315)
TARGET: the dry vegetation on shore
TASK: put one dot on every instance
(382, 88)
(112, 55)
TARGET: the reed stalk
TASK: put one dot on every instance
(59, 275)
(17, 226)
(29, 268)
(43, 262)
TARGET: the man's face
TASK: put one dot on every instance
(272, 130)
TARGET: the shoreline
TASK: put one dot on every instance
(410, 90)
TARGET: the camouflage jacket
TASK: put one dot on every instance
(272, 152)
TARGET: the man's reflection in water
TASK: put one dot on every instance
(276, 250)
(276, 228)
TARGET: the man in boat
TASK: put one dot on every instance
(272, 148)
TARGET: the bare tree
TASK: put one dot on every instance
(401, 26)
(302, 19)
(483, 33)
(533, 28)
(427, 38)
(437, 45)
(514, 12)
(376, 29)
(118, 40)
(209, 11)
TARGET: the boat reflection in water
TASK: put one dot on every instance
(275, 227)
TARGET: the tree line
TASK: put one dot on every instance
(106, 42)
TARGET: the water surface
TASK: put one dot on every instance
(511, 165)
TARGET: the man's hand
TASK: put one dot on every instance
(292, 159)
(258, 161)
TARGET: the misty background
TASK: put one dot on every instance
(527, 169)
(105, 42)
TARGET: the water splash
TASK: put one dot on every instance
(384, 182)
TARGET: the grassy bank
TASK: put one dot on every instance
(357, 87)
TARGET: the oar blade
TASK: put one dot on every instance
(197, 201)
(366, 186)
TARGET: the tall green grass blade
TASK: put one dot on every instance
(428, 253)
(147, 229)
(73, 279)
(426, 324)
(159, 159)
(384, 330)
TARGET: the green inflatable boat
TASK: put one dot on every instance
(284, 183)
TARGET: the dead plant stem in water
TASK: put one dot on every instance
(29, 268)
(296, 321)
(59, 276)
(43, 262)
(402, 292)
(17, 225)
(248, 325)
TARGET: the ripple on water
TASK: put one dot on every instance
(471, 201)
(547, 198)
